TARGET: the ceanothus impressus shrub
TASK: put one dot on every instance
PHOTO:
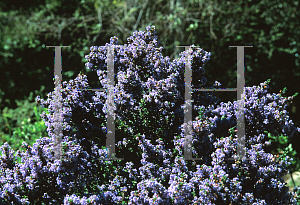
(149, 95)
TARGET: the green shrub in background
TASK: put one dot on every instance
(284, 148)
(283, 145)
(23, 123)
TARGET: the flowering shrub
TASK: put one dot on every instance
(149, 136)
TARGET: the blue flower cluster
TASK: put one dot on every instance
(149, 119)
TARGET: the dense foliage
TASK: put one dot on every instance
(23, 123)
(149, 95)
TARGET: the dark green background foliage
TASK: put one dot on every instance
(270, 26)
